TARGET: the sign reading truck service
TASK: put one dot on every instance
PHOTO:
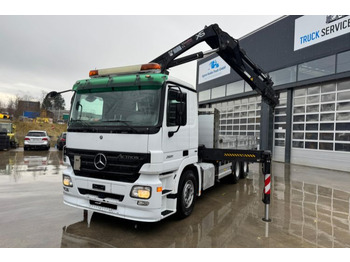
(314, 29)
(212, 69)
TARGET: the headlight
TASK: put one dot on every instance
(143, 192)
(67, 181)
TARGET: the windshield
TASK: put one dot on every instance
(5, 127)
(125, 108)
(37, 134)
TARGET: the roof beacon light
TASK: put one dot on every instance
(93, 73)
(134, 69)
(150, 66)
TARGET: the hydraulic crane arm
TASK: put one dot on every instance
(229, 50)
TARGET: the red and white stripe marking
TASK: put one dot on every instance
(267, 184)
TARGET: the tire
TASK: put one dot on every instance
(236, 173)
(244, 169)
(186, 194)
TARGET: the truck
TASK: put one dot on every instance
(133, 139)
(4, 115)
(7, 134)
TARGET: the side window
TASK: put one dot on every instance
(176, 107)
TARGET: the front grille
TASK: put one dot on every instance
(121, 166)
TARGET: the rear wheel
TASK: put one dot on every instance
(244, 169)
(236, 173)
(186, 194)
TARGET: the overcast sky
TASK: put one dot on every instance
(45, 53)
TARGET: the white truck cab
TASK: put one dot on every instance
(129, 139)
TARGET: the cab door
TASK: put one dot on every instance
(176, 131)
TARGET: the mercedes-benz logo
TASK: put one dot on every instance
(100, 161)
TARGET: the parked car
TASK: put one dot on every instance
(61, 141)
(37, 139)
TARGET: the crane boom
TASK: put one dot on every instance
(229, 50)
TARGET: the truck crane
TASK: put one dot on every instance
(229, 50)
(132, 148)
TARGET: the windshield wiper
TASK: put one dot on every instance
(121, 121)
(82, 122)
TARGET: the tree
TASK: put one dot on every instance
(12, 106)
(59, 102)
(47, 103)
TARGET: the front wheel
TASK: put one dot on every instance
(186, 194)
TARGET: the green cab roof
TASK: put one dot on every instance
(132, 80)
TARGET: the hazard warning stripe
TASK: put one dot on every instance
(240, 155)
(267, 184)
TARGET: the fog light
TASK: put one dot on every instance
(141, 192)
(67, 181)
(142, 203)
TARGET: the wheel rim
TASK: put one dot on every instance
(188, 193)
(238, 170)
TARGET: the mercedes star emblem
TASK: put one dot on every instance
(100, 161)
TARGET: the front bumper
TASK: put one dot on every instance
(113, 198)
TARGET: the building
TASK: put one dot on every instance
(308, 58)
(30, 109)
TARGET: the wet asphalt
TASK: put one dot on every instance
(309, 208)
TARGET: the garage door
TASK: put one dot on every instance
(321, 126)
(279, 132)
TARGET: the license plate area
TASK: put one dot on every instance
(99, 187)
(102, 205)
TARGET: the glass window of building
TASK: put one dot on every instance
(343, 62)
(204, 95)
(284, 76)
(235, 88)
(316, 68)
(218, 92)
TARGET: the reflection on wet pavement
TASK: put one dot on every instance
(19, 164)
(313, 205)
(309, 208)
(304, 214)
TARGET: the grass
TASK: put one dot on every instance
(53, 130)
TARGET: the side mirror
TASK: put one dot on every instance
(52, 94)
